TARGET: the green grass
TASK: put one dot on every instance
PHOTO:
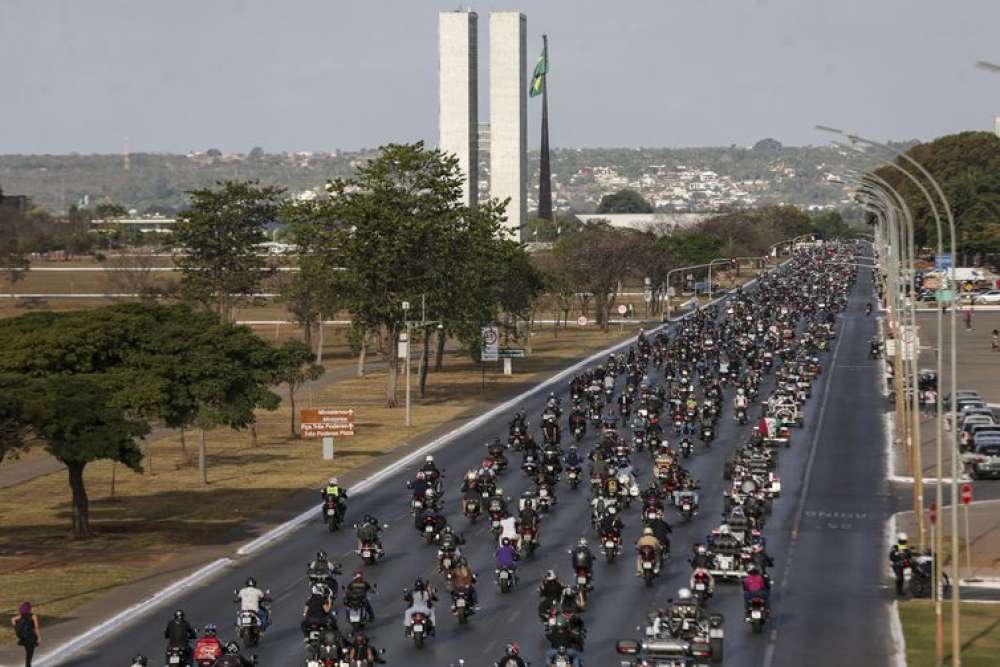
(980, 633)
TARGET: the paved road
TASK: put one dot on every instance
(826, 535)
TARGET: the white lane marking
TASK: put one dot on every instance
(815, 440)
(513, 616)
(489, 647)
(116, 622)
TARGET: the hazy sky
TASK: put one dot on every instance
(81, 75)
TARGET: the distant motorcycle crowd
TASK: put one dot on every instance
(649, 408)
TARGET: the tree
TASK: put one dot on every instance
(597, 259)
(296, 369)
(109, 210)
(624, 201)
(219, 238)
(385, 227)
(14, 425)
(132, 273)
(75, 419)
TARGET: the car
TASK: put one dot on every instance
(960, 394)
(969, 424)
(989, 297)
(984, 461)
(981, 433)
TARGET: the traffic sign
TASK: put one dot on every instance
(622, 309)
(942, 262)
(945, 295)
(511, 353)
(932, 513)
(966, 493)
(326, 422)
(491, 344)
(582, 321)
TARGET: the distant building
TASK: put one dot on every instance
(656, 222)
(996, 126)
(509, 116)
(458, 95)
(153, 223)
(17, 202)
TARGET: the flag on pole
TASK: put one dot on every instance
(538, 77)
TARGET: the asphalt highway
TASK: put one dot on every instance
(826, 535)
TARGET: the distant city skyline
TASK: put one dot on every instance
(318, 75)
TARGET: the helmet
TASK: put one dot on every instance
(684, 594)
(498, 492)
(420, 475)
(583, 542)
(418, 585)
(369, 519)
(446, 530)
(210, 630)
(753, 569)
(359, 575)
(647, 531)
(317, 590)
(251, 582)
(179, 615)
(333, 481)
(429, 459)
(505, 542)
(232, 648)
(902, 538)
(140, 659)
(550, 575)
(701, 549)
(512, 650)
(321, 555)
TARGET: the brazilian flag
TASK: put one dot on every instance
(538, 77)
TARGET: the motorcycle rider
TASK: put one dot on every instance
(702, 558)
(550, 593)
(507, 556)
(648, 540)
(508, 530)
(318, 609)
(179, 633)
(709, 579)
(356, 593)
(755, 585)
(430, 469)
(331, 644)
(232, 657)
(463, 580)
(368, 531)
(684, 607)
(582, 558)
(140, 660)
(334, 490)
(512, 657)
(208, 646)
(252, 598)
(362, 650)
(899, 553)
(610, 524)
(427, 514)
(661, 530)
(421, 600)
(528, 518)
(323, 571)
(563, 635)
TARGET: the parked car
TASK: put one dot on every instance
(960, 394)
(989, 297)
(984, 461)
(969, 425)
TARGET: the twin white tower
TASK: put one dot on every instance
(458, 94)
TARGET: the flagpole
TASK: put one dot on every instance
(545, 169)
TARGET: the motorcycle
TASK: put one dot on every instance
(741, 416)
(249, 629)
(545, 499)
(178, 656)
(370, 553)
(609, 543)
(530, 465)
(419, 627)
(573, 475)
(357, 614)
(757, 614)
(506, 578)
(528, 541)
(446, 561)
(647, 562)
(332, 513)
(686, 448)
(461, 606)
(701, 589)
(495, 527)
(471, 508)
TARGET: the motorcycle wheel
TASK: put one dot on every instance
(505, 585)
(757, 625)
(648, 576)
(715, 646)
(609, 556)
(462, 617)
(418, 639)
(331, 523)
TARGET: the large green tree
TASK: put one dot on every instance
(598, 259)
(75, 419)
(218, 242)
(624, 201)
(295, 370)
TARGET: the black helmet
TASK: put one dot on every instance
(369, 518)
(251, 582)
(232, 648)
(179, 615)
(418, 585)
(320, 555)
(140, 659)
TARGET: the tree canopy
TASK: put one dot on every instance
(624, 201)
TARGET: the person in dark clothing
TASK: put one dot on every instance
(357, 591)
(26, 628)
(317, 610)
(661, 530)
(179, 632)
(232, 657)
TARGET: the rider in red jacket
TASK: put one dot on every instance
(208, 647)
(755, 585)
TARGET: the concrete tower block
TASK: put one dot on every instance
(458, 95)
(509, 115)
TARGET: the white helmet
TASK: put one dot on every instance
(429, 459)
(684, 594)
(902, 537)
(334, 481)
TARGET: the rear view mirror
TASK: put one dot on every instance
(627, 646)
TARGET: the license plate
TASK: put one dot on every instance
(543, 493)
(647, 565)
(460, 602)
(355, 616)
(907, 573)
(609, 544)
(504, 574)
(755, 614)
(417, 627)
(686, 507)
(331, 512)
(699, 587)
(366, 554)
(581, 580)
(175, 660)
(446, 563)
(429, 529)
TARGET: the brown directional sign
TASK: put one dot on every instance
(326, 422)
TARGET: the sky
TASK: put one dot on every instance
(84, 75)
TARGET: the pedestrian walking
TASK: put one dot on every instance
(968, 318)
(996, 340)
(930, 402)
(26, 628)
